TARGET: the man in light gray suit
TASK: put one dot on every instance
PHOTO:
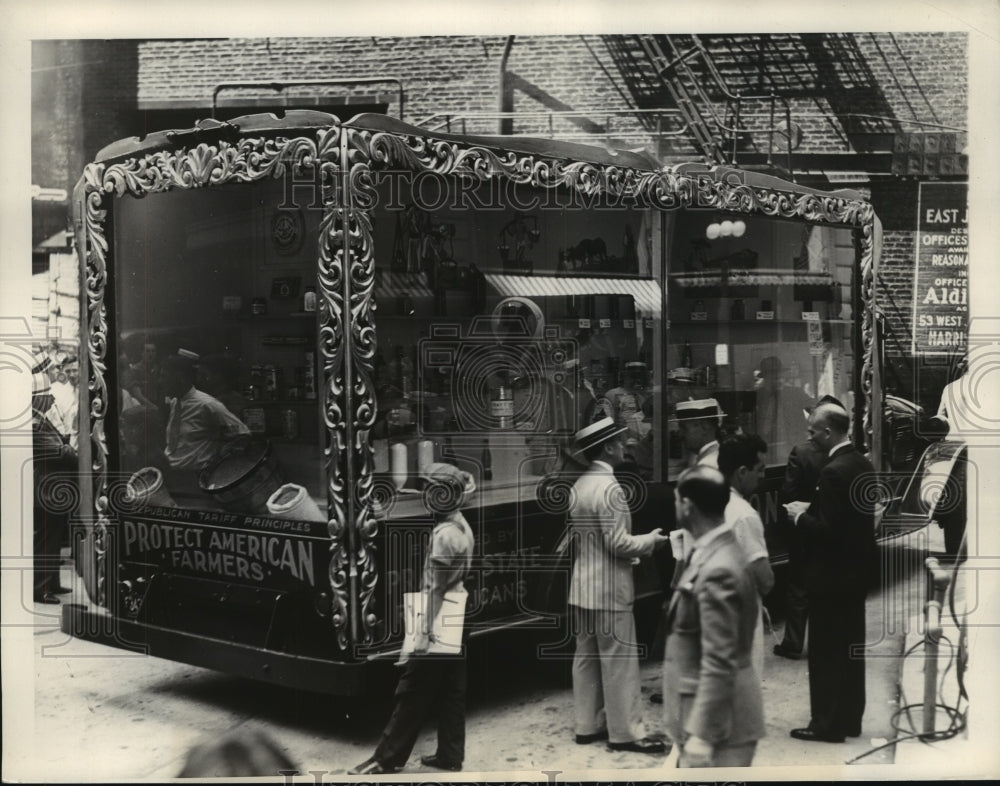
(606, 684)
(712, 695)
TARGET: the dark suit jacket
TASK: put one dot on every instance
(801, 478)
(802, 473)
(710, 687)
(51, 456)
(838, 529)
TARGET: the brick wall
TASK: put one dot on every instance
(82, 97)
(442, 76)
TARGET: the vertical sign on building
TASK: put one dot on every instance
(941, 272)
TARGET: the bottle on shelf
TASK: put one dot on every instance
(309, 376)
(309, 299)
(686, 355)
(738, 310)
(258, 307)
(502, 408)
(255, 390)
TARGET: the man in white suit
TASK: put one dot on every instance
(606, 686)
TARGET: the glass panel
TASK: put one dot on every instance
(760, 320)
(501, 332)
(216, 324)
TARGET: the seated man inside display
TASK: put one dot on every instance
(199, 425)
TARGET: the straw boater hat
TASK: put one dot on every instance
(596, 433)
(698, 409)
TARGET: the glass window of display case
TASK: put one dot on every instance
(501, 332)
(217, 392)
(761, 320)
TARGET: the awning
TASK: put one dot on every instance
(644, 291)
(392, 284)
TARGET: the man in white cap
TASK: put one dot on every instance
(699, 421)
(606, 684)
(199, 424)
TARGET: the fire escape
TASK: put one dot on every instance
(745, 100)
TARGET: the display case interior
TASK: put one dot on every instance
(501, 332)
(761, 318)
(216, 319)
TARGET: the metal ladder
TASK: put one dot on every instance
(680, 70)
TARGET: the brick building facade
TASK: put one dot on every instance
(850, 94)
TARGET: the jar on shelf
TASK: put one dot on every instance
(309, 299)
(258, 307)
(502, 408)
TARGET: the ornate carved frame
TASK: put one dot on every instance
(346, 275)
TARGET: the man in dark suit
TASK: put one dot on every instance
(801, 476)
(712, 699)
(838, 539)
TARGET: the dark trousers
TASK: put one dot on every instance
(797, 614)
(430, 683)
(952, 515)
(836, 662)
(49, 531)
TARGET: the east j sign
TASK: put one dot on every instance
(941, 272)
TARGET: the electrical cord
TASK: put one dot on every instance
(956, 714)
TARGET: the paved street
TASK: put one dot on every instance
(104, 715)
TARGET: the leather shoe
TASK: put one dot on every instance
(811, 735)
(586, 739)
(783, 652)
(372, 766)
(439, 764)
(645, 745)
(62, 590)
(47, 598)
(656, 698)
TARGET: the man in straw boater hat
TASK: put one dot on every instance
(699, 421)
(606, 684)
(53, 467)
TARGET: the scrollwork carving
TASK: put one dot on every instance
(203, 165)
